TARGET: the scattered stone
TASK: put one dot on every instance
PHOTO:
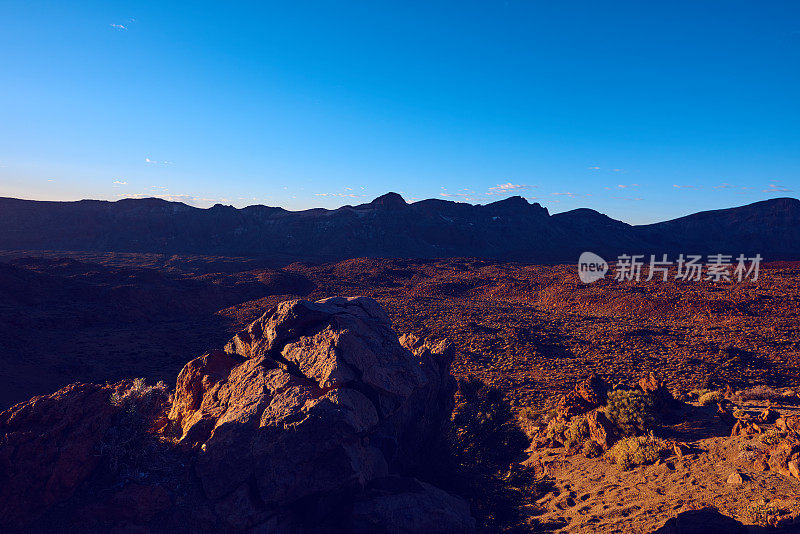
(735, 478)
(783, 453)
(794, 468)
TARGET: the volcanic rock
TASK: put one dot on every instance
(662, 397)
(49, 445)
(313, 400)
(585, 396)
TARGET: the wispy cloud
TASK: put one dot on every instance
(625, 186)
(119, 26)
(120, 182)
(676, 186)
(154, 162)
(776, 188)
(628, 198)
(501, 189)
(594, 168)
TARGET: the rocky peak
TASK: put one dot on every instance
(389, 201)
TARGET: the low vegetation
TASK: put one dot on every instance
(712, 397)
(759, 393)
(577, 433)
(630, 410)
(636, 450)
(127, 445)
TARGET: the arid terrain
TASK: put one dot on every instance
(530, 331)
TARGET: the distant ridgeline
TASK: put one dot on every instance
(511, 229)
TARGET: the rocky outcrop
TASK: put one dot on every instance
(309, 420)
(662, 397)
(584, 397)
(49, 445)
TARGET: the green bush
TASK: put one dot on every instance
(636, 450)
(712, 397)
(576, 433)
(591, 449)
(556, 430)
(630, 410)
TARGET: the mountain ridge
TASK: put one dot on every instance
(511, 229)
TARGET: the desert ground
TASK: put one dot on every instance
(531, 332)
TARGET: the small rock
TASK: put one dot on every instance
(735, 478)
(794, 468)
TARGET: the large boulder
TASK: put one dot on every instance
(315, 418)
(313, 400)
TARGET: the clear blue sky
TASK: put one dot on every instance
(641, 110)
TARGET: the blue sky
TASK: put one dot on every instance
(642, 110)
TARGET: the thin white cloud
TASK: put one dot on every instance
(507, 187)
(120, 182)
(154, 162)
(629, 198)
(776, 188)
(625, 186)
(594, 168)
(119, 26)
(676, 186)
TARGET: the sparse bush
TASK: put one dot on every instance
(126, 445)
(577, 432)
(630, 410)
(528, 419)
(636, 450)
(712, 397)
(772, 513)
(759, 393)
(697, 393)
(591, 449)
(139, 385)
(773, 436)
(556, 430)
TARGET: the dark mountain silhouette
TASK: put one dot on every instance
(510, 229)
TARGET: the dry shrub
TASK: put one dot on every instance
(127, 444)
(577, 432)
(759, 393)
(636, 450)
(630, 410)
(712, 397)
(591, 449)
(772, 513)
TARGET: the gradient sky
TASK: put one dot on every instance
(642, 110)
